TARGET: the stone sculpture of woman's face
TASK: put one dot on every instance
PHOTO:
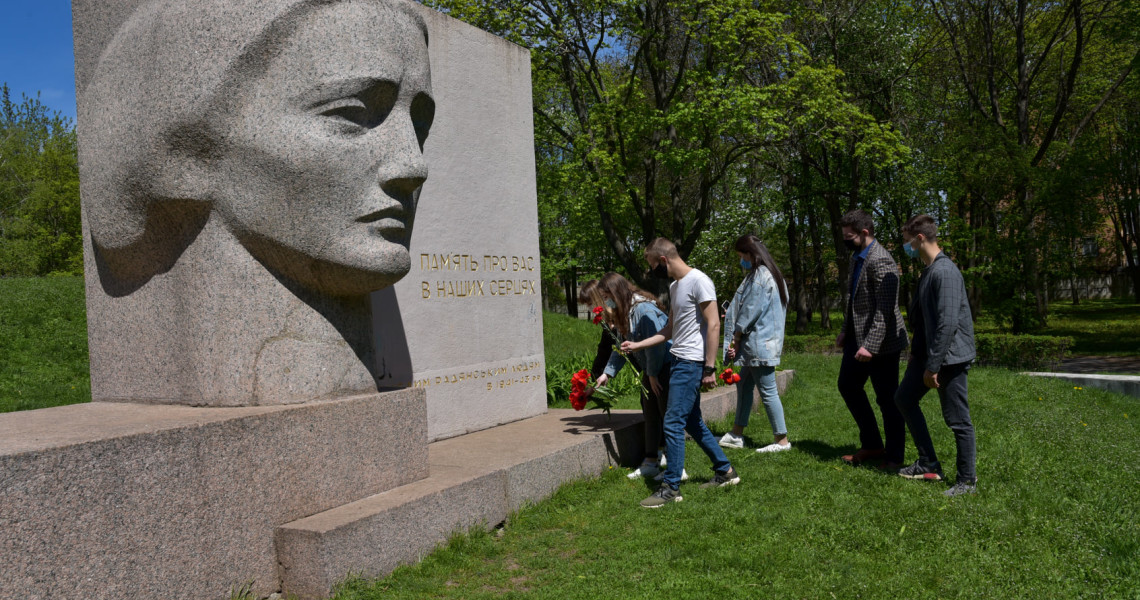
(323, 152)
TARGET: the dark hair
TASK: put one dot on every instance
(587, 292)
(923, 224)
(661, 247)
(858, 220)
(622, 291)
(758, 253)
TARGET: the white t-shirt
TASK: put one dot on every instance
(689, 326)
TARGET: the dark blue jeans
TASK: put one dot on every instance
(684, 414)
(952, 393)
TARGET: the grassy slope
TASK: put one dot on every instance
(43, 343)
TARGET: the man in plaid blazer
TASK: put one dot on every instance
(872, 338)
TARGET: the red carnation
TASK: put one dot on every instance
(598, 314)
(728, 377)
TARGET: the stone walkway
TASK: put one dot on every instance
(1120, 365)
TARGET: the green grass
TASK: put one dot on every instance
(1056, 516)
(43, 343)
(1098, 327)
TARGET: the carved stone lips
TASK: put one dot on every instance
(387, 219)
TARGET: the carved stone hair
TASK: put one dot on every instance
(150, 116)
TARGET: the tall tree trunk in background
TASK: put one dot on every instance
(819, 272)
(570, 285)
(798, 288)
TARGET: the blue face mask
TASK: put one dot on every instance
(910, 251)
(745, 264)
(609, 304)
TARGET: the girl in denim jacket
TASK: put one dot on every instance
(754, 338)
(635, 315)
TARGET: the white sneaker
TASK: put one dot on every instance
(645, 470)
(775, 448)
(661, 476)
(731, 441)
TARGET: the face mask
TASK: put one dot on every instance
(746, 264)
(851, 245)
(910, 251)
(609, 304)
(660, 271)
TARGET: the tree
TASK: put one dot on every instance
(1031, 77)
(660, 102)
(40, 230)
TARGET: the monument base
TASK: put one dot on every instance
(150, 501)
(476, 479)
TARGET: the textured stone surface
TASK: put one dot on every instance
(476, 338)
(112, 501)
(373, 536)
(721, 401)
(475, 479)
(249, 175)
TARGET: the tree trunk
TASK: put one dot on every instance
(798, 289)
(570, 285)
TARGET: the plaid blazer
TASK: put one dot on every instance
(872, 314)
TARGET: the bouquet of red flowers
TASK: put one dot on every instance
(581, 393)
(728, 377)
(598, 314)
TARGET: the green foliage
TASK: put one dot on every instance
(1021, 351)
(812, 344)
(39, 190)
(43, 343)
(570, 345)
(1051, 519)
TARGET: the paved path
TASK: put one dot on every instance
(1121, 365)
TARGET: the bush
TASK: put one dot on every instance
(559, 372)
(1021, 351)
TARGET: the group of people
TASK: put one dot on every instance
(675, 351)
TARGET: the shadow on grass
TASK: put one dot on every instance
(822, 451)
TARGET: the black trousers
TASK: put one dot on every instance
(883, 371)
(952, 394)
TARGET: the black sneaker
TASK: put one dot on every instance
(962, 487)
(927, 472)
(728, 477)
(664, 495)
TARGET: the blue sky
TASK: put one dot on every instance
(36, 52)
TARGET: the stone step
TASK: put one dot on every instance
(476, 479)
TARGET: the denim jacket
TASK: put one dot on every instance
(645, 320)
(757, 313)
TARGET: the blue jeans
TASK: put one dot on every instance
(764, 380)
(684, 414)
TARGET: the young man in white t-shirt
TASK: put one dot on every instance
(694, 327)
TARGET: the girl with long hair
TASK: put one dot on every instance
(754, 338)
(635, 314)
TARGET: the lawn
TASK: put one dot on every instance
(1056, 516)
(43, 343)
(1098, 327)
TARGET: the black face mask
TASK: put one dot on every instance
(660, 271)
(851, 245)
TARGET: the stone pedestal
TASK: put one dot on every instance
(112, 501)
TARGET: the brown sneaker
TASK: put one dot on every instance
(864, 455)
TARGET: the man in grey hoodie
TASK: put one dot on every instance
(941, 352)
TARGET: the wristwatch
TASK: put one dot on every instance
(709, 370)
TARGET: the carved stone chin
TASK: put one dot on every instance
(251, 175)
